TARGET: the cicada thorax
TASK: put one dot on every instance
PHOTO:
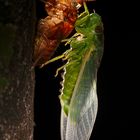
(51, 30)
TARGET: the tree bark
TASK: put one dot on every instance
(17, 26)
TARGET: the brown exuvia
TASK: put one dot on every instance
(59, 23)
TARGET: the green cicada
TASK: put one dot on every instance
(78, 95)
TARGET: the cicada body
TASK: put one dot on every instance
(78, 95)
(59, 23)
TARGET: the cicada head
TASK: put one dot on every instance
(95, 23)
(89, 24)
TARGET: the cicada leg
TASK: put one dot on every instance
(83, 16)
(70, 39)
(53, 60)
(63, 56)
(62, 67)
(57, 71)
(86, 9)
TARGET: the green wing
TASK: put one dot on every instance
(84, 103)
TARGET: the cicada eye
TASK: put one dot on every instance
(98, 29)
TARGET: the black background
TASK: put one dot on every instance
(117, 79)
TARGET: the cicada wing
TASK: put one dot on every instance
(63, 125)
(81, 130)
(84, 103)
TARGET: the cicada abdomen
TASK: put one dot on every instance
(59, 23)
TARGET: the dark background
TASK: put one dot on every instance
(117, 79)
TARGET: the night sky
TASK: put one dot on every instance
(117, 114)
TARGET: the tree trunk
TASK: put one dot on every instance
(17, 26)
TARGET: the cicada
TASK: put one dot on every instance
(59, 23)
(79, 94)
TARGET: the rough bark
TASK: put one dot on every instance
(17, 25)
